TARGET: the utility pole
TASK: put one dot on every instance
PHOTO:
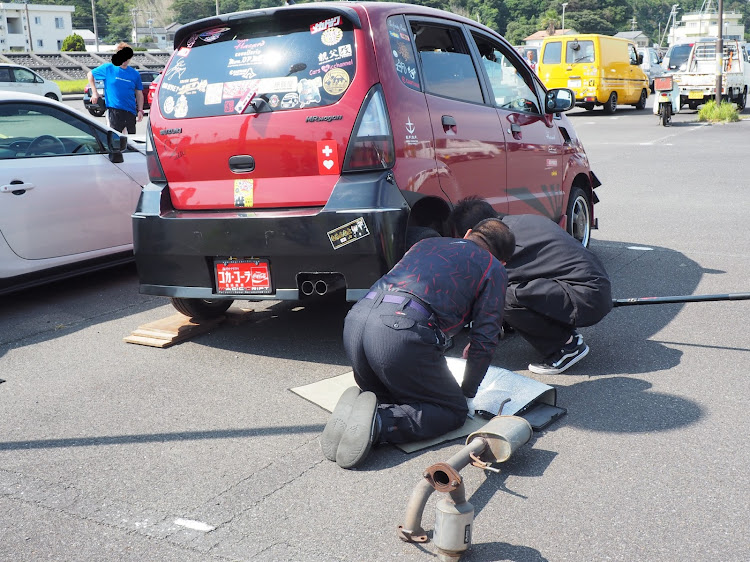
(96, 32)
(720, 53)
(217, 7)
(134, 13)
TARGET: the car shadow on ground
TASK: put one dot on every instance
(55, 309)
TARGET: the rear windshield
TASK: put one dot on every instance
(679, 56)
(579, 51)
(260, 64)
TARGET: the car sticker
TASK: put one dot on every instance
(325, 24)
(176, 70)
(168, 106)
(245, 101)
(331, 36)
(213, 93)
(280, 84)
(348, 233)
(181, 107)
(309, 91)
(290, 100)
(243, 193)
(237, 89)
(551, 162)
(246, 73)
(410, 138)
(212, 35)
(243, 44)
(192, 40)
(183, 52)
(336, 81)
(274, 100)
(229, 106)
(193, 87)
(342, 52)
(328, 157)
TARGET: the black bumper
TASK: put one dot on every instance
(175, 250)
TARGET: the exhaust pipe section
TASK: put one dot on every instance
(320, 283)
(495, 442)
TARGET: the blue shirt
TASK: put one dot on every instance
(461, 282)
(120, 85)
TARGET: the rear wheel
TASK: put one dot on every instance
(611, 106)
(588, 106)
(642, 102)
(201, 309)
(579, 216)
(666, 114)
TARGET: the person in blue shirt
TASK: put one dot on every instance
(123, 90)
(397, 335)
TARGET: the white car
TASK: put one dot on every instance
(68, 187)
(22, 80)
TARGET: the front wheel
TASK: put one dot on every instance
(579, 216)
(611, 106)
(201, 309)
(51, 96)
(666, 114)
(642, 102)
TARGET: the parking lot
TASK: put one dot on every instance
(200, 451)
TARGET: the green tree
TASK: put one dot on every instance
(518, 30)
(588, 21)
(73, 42)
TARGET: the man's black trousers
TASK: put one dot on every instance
(396, 352)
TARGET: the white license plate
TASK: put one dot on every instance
(574, 83)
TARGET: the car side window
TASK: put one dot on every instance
(4, 74)
(34, 130)
(23, 75)
(633, 55)
(447, 67)
(509, 79)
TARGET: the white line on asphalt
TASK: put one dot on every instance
(195, 525)
(642, 248)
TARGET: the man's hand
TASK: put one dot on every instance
(94, 97)
(465, 354)
(140, 115)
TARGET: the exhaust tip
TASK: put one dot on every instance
(321, 287)
(307, 288)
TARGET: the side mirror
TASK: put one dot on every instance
(559, 99)
(116, 145)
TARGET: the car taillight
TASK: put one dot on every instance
(155, 171)
(371, 144)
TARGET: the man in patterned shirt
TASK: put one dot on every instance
(397, 335)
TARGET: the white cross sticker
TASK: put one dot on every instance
(327, 150)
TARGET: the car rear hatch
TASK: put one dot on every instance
(255, 109)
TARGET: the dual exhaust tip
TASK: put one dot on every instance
(320, 283)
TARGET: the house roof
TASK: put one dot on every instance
(630, 34)
(543, 33)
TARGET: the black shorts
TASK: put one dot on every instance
(120, 119)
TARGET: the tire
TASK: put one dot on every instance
(611, 106)
(416, 233)
(741, 100)
(51, 96)
(96, 111)
(588, 106)
(666, 114)
(201, 309)
(579, 216)
(642, 102)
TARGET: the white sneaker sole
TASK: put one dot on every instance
(544, 370)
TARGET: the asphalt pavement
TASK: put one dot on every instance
(200, 452)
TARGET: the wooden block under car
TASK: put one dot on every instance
(171, 330)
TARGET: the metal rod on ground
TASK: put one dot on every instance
(686, 298)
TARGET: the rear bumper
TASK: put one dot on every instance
(175, 250)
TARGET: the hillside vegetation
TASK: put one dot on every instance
(515, 19)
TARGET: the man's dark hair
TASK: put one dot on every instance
(468, 213)
(496, 235)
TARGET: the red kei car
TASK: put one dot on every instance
(297, 150)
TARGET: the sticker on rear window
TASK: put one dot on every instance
(325, 24)
(212, 35)
(185, 51)
(331, 36)
(332, 55)
(309, 91)
(181, 107)
(168, 106)
(213, 93)
(348, 233)
(336, 81)
(243, 193)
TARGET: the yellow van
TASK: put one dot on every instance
(600, 69)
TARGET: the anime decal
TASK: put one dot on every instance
(348, 233)
(309, 91)
(402, 51)
(243, 193)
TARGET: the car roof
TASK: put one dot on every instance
(10, 64)
(351, 9)
(20, 96)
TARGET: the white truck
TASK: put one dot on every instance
(697, 77)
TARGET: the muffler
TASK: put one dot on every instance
(320, 283)
(307, 288)
(454, 520)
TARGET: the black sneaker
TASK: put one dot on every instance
(563, 359)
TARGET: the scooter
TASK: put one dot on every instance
(667, 101)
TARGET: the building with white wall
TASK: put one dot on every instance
(706, 24)
(34, 27)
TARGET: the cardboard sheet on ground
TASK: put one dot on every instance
(497, 385)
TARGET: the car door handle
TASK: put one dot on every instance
(449, 123)
(241, 164)
(515, 129)
(16, 187)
